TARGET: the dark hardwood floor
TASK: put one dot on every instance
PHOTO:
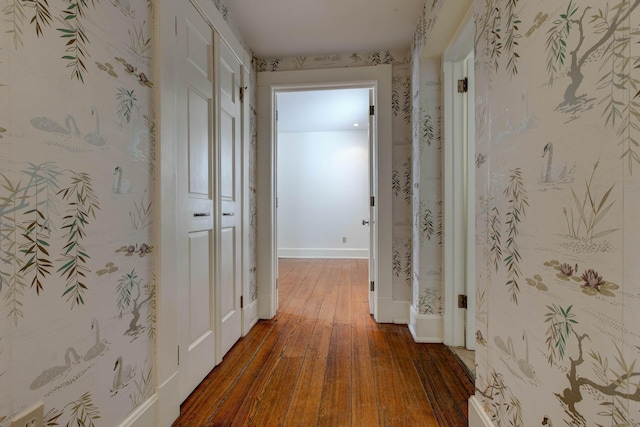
(323, 361)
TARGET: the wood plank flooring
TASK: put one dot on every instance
(323, 361)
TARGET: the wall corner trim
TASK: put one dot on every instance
(249, 317)
(168, 397)
(477, 416)
(144, 415)
(425, 328)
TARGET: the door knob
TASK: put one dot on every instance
(365, 222)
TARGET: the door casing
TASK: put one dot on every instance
(459, 204)
(270, 83)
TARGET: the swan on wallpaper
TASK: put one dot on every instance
(99, 347)
(94, 138)
(47, 124)
(508, 348)
(120, 186)
(122, 376)
(51, 374)
(523, 364)
(555, 171)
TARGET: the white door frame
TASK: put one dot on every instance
(269, 83)
(459, 207)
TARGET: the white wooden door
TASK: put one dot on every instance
(229, 188)
(195, 197)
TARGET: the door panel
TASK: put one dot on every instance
(199, 144)
(194, 199)
(229, 261)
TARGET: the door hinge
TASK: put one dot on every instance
(463, 85)
(372, 110)
(276, 283)
(241, 301)
(462, 301)
(372, 201)
(176, 25)
(373, 286)
(178, 355)
(276, 115)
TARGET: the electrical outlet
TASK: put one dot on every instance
(32, 417)
(344, 240)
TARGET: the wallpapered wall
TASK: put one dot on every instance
(557, 197)
(427, 170)
(401, 133)
(76, 183)
(77, 165)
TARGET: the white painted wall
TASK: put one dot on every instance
(323, 194)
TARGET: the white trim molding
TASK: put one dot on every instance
(249, 317)
(477, 415)
(323, 253)
(144, 415)
(425, 328)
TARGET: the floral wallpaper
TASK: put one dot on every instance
(401, 134)
(77, 138)
(557, 190)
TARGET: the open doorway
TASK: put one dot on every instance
(377, 81)
(323, 174)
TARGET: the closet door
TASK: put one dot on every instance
(229, 189)
(195, 199)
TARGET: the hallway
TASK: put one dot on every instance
(323, 361)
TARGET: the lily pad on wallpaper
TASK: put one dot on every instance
(606, 289)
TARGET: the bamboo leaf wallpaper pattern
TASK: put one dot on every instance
(74, 34)
(518, 200)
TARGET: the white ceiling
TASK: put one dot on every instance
(322, 111)
(282, 28)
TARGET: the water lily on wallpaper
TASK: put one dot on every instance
(593, 284)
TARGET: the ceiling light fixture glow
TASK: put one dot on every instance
(355, 125)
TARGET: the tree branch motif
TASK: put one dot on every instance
(74, 33)
(82, 205)
(504, 407)
(41, 14)
(518, 200)
(612, 45)
(11, 277)
(37, 230)
(125, 302)
(15, 16)
(499, 21)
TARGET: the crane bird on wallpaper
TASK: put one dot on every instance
(555, 171)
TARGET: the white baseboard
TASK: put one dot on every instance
(323, 253)
(249, 317)
(168, 401)
(477, 416)
(425, 328)
(145, 415)
(391, 311)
